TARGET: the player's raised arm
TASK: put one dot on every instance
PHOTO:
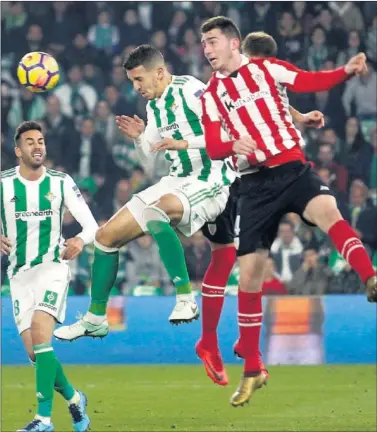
(313, 119)
(215, 146)
(299, 80)
(77, 206)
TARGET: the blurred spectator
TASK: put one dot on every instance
(62, 26)
(125, 89)
(336, 35)
(93, 76)
(286, 251)
(362, 91)
(104, 122)
(34, 40)
(338, 174)
(6, 103)
(373, 165)
(15, 23)
(103, 35)
(88, 157)
(272, 285)
(120, 197)
(160, 41)
(8, 157)
(354, 47)
(131, 31)
(144, 266)
(311, 278)
(77, 98)
(328, 136)
(371, 41)
(346, 281)
(117, 103)
(259, 15)
(363, 215)
(357, 153)
(81, 53)
(198, 257)
(349, 14)
(29, 106)
(319, 51)
(177, 27)
(303, 16)
(191, 52)
(291, 40)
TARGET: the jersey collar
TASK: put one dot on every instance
(30, 182)
(244, 61)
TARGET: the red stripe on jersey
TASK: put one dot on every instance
(264, 112)
(223, 112)
(245, 119)
(275, 94)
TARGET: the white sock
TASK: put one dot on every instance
(75, 399)
(186, 297)
(46, 420)
(94, 319)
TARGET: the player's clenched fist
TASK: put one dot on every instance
(6, 245)
(244, 146)
(74, 246)
(314, 119)
(357, 65)
(133, 127)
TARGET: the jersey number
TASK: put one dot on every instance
(16, 307)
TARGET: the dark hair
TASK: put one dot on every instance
(25, 127)
(259, 44)
(224, 24)
(143, 55)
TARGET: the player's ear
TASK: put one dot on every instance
(17, 150)
(160, 72)
(235, 44)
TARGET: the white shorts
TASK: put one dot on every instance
(43, 287)
(202, 201)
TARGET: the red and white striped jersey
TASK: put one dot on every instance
(253, 101)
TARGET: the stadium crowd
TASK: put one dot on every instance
(90, 40)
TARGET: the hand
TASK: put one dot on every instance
(356, 65)
(244, 146)
(74, 247)
(132, 127)
(170, 144)
(6, 245)
(314, 119)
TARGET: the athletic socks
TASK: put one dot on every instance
(213, 288)
(250, 324)
(351, 248)
(104, 272)
(45, 371)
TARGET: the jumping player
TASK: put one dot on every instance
(248, 98)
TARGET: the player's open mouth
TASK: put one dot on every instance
(37, 155)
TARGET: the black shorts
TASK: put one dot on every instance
(221, 231)
(266, 196)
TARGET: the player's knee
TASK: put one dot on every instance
(172, 206)
(105, 237)
(42, 326)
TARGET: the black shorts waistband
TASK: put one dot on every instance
(264, 172)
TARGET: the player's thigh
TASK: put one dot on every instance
(252, 269)
(123, 227)
(322, 211)
(22, 299)
(202, 202)
(220, 232)
(51, 290)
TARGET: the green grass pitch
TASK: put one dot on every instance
(182, 398)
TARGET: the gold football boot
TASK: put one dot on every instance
(247, 387)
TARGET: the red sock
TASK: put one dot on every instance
(250, 324)
(213, 288)
(352, 250)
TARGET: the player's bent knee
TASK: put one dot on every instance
(323, 212)
(105, 240)
(154, 213)
(172, 206)
(252, 268)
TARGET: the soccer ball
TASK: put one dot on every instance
(38, 72)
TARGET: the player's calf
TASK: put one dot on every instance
(322, 211)
(172, 255)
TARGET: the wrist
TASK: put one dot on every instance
(185, 144)
(139, 139)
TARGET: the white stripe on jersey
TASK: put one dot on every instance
(32, 193)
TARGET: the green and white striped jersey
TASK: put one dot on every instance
(32, 214)
(177, 114)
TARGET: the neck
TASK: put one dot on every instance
(30, 173)
(233, 65)
(164, 83)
